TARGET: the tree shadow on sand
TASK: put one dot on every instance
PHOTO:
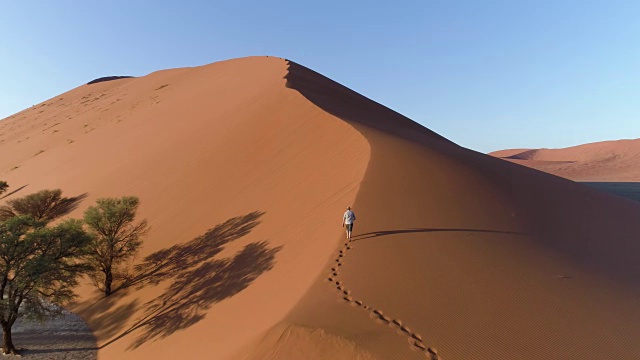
(13, 192)
(196, 279)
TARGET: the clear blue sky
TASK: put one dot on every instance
(486, 74)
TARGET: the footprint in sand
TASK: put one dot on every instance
(381, 316)
(433, 353)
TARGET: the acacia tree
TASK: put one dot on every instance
(3, 187)
(39, 266)
(44, 205)
(116, 239)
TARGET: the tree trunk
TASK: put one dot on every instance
(7, 345)
(108, 279)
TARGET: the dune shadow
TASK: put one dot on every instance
(528, 155)
(108, 78)
(107, 314)
(350, 106)
(427, 230)
(57, 337)
(53, 351)
(195, 279)
(28, 352)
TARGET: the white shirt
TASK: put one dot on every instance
(349, 217)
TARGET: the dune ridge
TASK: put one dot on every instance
(477, 257)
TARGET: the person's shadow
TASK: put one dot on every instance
(374, 234)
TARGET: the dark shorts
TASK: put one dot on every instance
(349, 227)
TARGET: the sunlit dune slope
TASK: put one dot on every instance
(199, 146)
(244, 168)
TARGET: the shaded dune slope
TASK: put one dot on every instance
(107, 78)
(602, 161)
(244, 168)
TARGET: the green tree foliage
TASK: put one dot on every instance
(44, 205)
(116, 239)
(39, 266)
(3, 187)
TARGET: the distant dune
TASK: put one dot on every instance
(244, 168)
(602, 161)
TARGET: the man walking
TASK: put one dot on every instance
(347, 219)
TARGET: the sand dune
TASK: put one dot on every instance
(244, 168)
(602, 161)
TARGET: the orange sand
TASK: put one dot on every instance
(471, 255)
(602, 161)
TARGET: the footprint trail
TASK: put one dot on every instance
(413, 338)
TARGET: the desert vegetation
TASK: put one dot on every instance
(115, 239)
(40, 263)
